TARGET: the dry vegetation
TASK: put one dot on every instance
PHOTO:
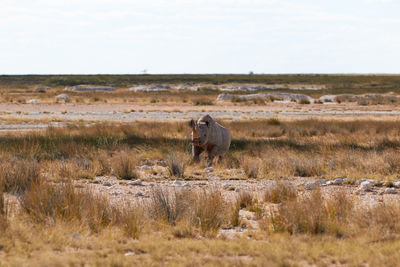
(46, 220)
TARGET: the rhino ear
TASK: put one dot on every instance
(191, 123)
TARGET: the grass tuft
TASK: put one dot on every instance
(125, 167)
(176, 165)
(281, 191)
(19, 175)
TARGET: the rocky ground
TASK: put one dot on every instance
(232, 184)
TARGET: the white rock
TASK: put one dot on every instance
(396, 184)
(321, 182)
(144, 168)
(330, 182)
(130, 254)
(224, 97)
(63, 97)
(310, 186)
(136, 182)
(209, 169)
(338, 181)
(107, 183)
(177, 183)
(366, 186)
(364, 180)
(34, 101)
(390, 190)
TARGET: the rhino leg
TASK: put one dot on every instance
(196, 151)
(211, 155)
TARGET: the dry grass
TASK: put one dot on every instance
(264, 149)
(202, 211)
(313, 214)
(181, 226)
(280, 192)
(176, 164)
(47, 203)
(125, 167)
(17, 176)
(3, 209)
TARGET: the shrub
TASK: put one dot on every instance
(204, 210)
(251, 168)
(3, 209)
(19, 175)
(307, 168)
(382, 219)
(125, 167)
(304, 101)
(273, 121)
(203, 102)
(130, 221)
(168, 207)
(209, 210)
(176, 165)
(104, 164)
(244, 200)
(314, 215)
(46, 202)
(280, 192)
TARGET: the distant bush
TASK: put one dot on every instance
(273, 121)
(304, 101)
(203, 102)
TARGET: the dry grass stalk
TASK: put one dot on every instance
(18, 175)
(125, 167)
(281, 191)
(176, 165)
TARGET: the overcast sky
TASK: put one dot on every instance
(199, 36)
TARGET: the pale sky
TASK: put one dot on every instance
(199, 36)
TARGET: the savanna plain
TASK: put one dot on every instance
(105, 177)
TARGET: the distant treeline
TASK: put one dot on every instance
(375, 83)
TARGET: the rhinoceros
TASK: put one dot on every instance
(210, 136)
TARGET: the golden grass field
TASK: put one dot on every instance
(253, 209)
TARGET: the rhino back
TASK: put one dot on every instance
(220, 137)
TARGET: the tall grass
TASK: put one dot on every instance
(3, 209)
(48, 203)
(125, 167)
(203, 210)
(176, 164)
(17, 176)
(280, 192)
(262, 148)
(313, 214)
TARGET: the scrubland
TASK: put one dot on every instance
(60, 188)
(48, 218)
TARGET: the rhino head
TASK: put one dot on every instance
(200, 132)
